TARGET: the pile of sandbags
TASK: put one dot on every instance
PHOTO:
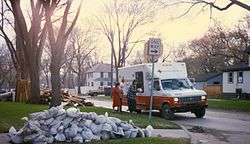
(72, 125)
(70, 100)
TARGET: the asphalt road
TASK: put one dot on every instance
(217, 127)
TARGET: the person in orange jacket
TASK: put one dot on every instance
(117, 97)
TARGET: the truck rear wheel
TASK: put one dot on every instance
(200, 113)
(166, 112)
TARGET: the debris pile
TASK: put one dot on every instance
(66, 97)
(72, 125)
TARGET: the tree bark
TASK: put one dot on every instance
(56, 84)
(34, 84)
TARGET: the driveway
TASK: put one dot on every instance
(222, 127)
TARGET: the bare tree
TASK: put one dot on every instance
(216, 50)
(83, 44)
(6, 69)
(119, 24)
(57, 42)
(30, 35)
(203, 5)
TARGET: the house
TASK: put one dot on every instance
(203, 80)
(236, 80)
(97, 77)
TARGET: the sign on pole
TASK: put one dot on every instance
(153, 50)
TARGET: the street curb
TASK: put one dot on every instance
(193, 140)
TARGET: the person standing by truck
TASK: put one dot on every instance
(131, 97)
(116, 97)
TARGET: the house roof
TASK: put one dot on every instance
(100, 68)
(238, 67)
(205, 77)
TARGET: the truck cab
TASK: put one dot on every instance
(172, 92)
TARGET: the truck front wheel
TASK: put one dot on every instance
(166, 112)
(200, 113)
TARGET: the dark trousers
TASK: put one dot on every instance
(131, 104)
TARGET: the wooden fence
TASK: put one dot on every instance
(213, 91)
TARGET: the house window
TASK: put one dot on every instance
(92, 83)
(101, 74)
(157, 85)
(109, 74)
(230, 77)
(101, 83)
(240, 77)
(109, 83)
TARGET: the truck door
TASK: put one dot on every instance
(139, 78)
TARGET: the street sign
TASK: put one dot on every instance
(153, 50)
(154, 47)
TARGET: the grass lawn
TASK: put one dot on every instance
(11, 114)
(235, 105)
(143, 141)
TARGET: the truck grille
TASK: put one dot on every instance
(193, 99)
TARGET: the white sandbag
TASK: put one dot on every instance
(61, 112)
(106, 127)
(141, 133)
(53, 111)
(115, 120)
(71, 132)
(34, 125)
(78, 138)
(38, 115)
(92, 116)
(50, 139)
(54, 128)
(105, 135)
(96, 129)
(114, 126)
(88, 123)
(54, 122)
(101, 119)
(31, 137)
(126, 126)
(119, 131)
(66, 121)
(61, 117)
(60, 137)
(133, 133)
(87, 134)
(148, 131)
(60, 129)
(127, 134)
(16, 139)
(72, 112)
(49, 121)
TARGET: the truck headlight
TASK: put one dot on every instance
(203, 98)
(176, 99)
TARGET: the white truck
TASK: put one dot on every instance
(173, 92)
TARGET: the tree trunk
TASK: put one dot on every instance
(34, 85)
(56, 84)
(117, 74)
(78, 85)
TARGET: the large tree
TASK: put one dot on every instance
(217, 49)
(57, 41)
(30, 34)
(120, 22)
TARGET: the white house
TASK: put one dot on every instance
(98, 77)
(236, 80)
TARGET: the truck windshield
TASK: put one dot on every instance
(175, 84)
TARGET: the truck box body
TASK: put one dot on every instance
(170, 83)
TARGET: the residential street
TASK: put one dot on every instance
(216, 127)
